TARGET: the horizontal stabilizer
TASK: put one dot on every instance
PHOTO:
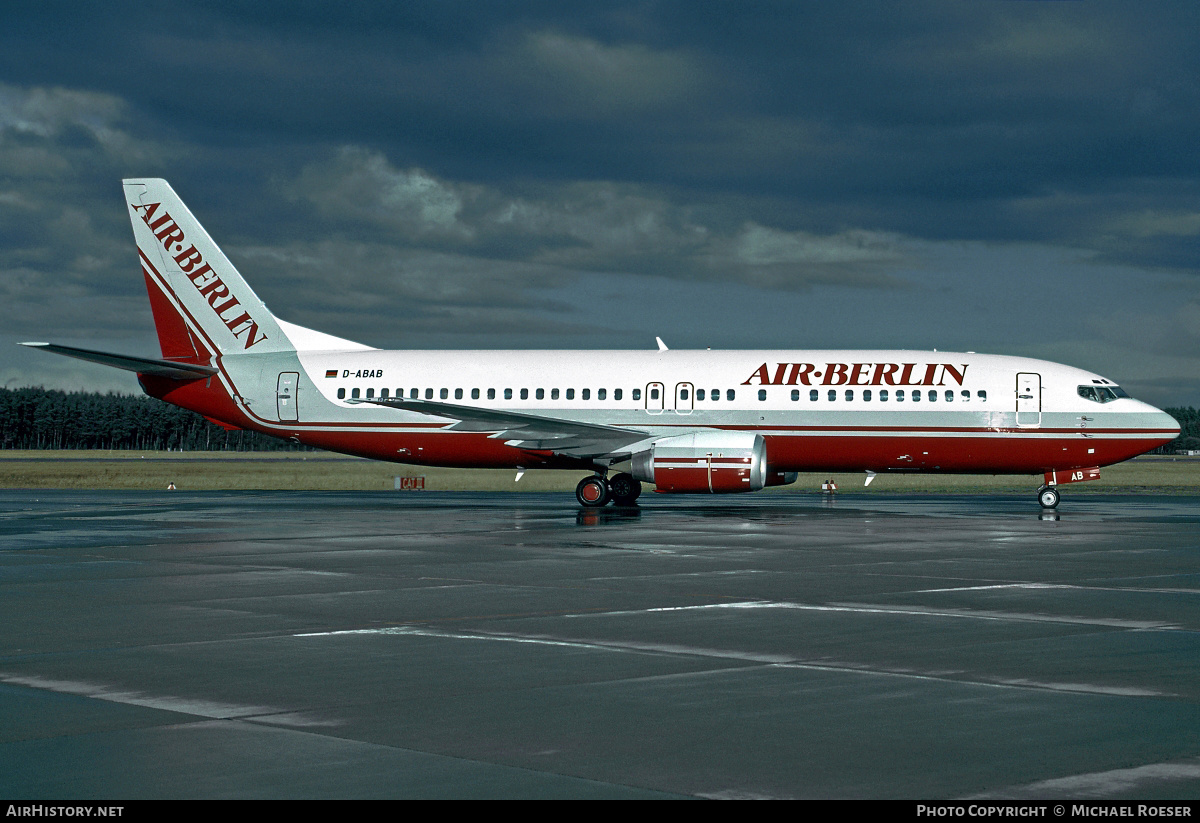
(141, 365)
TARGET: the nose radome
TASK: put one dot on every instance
(1169, 422)
(1159, 419)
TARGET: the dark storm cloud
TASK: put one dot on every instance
(393, 292)
(61, 242)
(584, 226)
(936, 120)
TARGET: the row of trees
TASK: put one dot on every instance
(39, 418)
(1189, 430)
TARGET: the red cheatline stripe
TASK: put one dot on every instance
(933, 429)
(182, 309)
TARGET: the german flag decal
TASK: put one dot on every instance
(331, 372)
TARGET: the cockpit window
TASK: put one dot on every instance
(1102, 394)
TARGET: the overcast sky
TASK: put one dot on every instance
(1012, 177)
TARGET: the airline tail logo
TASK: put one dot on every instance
(190, 260)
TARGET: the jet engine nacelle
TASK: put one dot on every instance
(715, 462)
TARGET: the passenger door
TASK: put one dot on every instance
(1029, 400)
(684, 398)
(285, 396)
(655, 398)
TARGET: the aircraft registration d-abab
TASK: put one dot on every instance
(708, 422)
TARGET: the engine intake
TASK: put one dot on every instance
(715, 462)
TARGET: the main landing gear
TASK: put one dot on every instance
(1048, 497)
(596, 491)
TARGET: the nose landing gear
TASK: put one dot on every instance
(1048, 497)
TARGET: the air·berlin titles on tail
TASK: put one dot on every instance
(207, 282)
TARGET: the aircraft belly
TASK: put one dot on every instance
(961, 452)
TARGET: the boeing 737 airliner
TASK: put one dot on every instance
(682, 421)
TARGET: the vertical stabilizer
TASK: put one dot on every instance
(201, 304)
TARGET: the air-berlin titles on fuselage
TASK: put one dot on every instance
(857, 374)
(191, 263)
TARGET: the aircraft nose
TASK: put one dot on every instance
(1164, 421)
(1169, 422)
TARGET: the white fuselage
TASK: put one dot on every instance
(862, 410)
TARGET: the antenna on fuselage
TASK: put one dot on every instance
(661, 345)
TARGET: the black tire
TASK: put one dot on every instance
(592, 492)
(625, 489)
(1048, 497)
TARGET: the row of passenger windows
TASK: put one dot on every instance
(539, 394)
(868, 395)
(636, 394)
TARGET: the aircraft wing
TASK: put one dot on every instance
(142, 365)
(525, 431)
